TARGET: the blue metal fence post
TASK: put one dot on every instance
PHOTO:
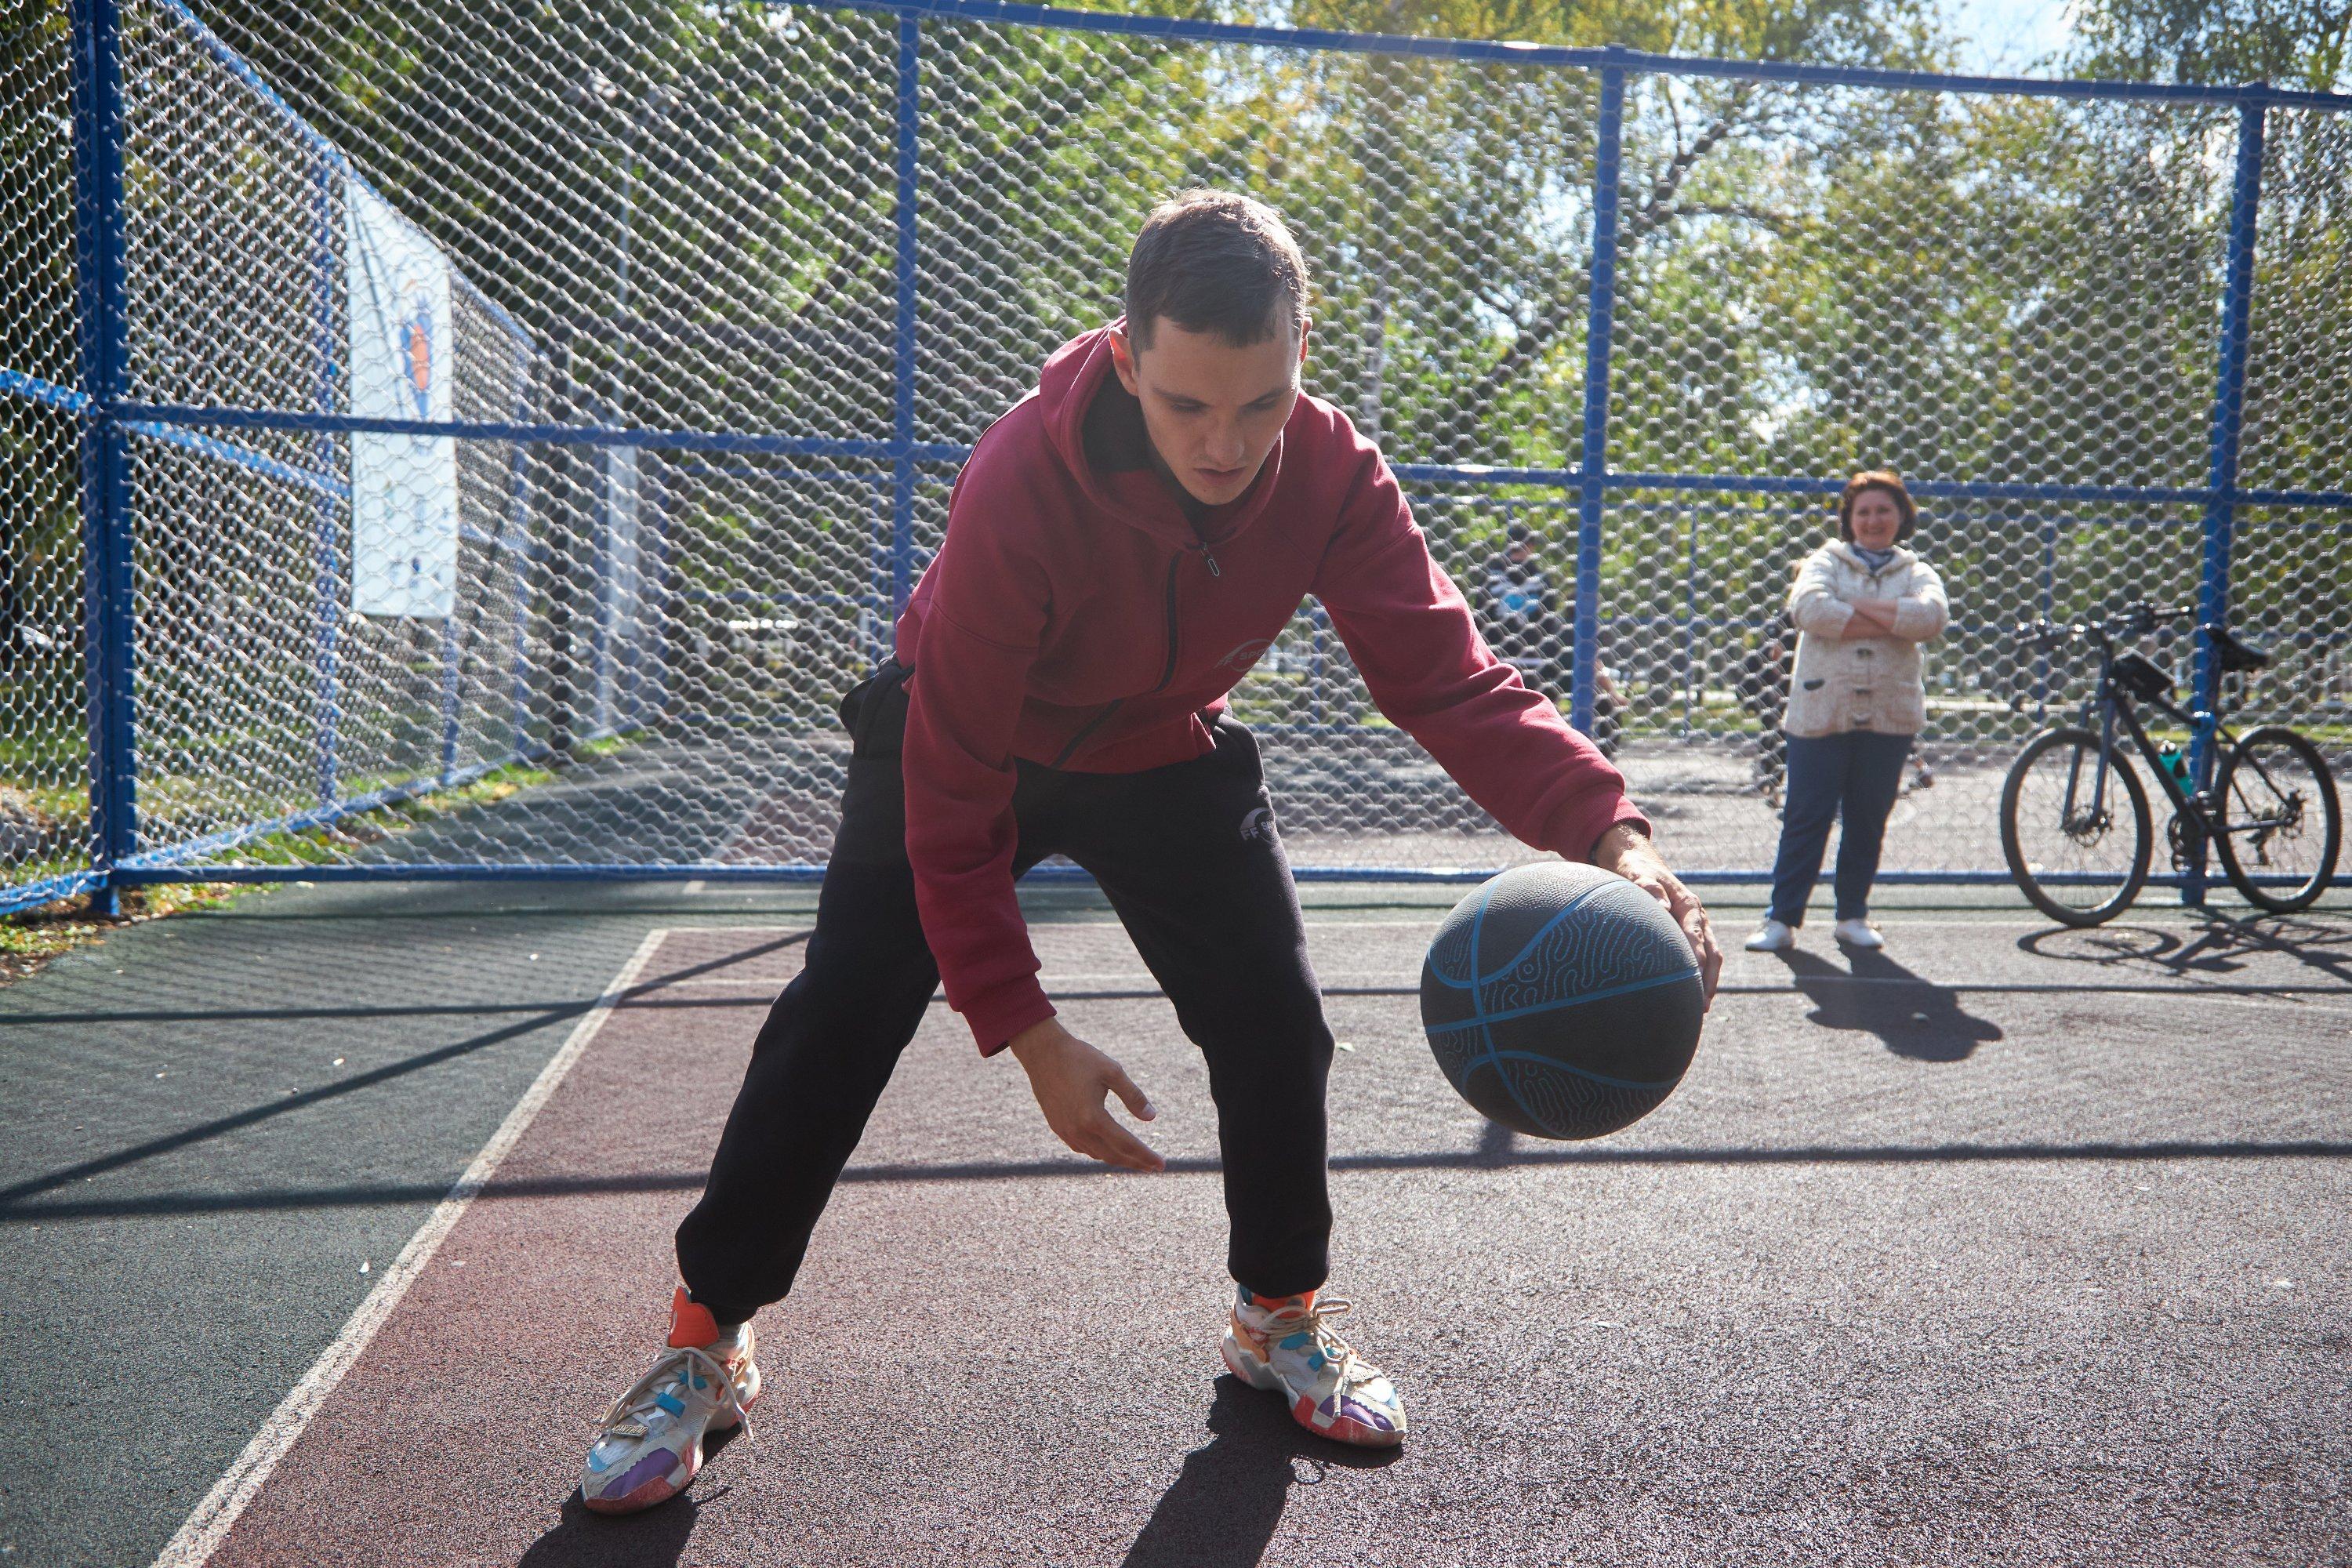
(101, 288)
(326, 567)
(452, 650)
(1591, 470)
(519, 558)
(902, 428)
(1693, 698)
(2044, 602)
(2229, 418)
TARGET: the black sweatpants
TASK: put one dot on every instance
(1188, 858)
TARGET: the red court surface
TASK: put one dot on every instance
(1771, 1324)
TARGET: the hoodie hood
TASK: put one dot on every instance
(1080, 371)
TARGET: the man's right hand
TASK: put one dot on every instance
(1071, 1079)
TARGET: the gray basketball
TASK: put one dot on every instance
(1560, 1001)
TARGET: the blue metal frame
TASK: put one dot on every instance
(1524, 54)
(102, 319)
(635, 872)
(326, 557)
(909, 195)
(1599, 317)
(2229, 419)
(109, 419)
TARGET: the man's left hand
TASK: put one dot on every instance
(1629, 852)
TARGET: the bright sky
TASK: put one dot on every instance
(2009, 37)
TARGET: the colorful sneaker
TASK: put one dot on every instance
(1285, 1344)
(650, 1448)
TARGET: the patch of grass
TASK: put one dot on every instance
(31, 938)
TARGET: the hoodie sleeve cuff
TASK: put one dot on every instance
(1004, 1012)
(1575, 833)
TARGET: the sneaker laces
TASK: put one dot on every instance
(1338, 1354)
(631, 1413)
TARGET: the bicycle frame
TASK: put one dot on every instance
(2111, 703)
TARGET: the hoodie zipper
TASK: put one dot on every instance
(1167, 675)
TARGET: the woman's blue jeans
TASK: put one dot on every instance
(1853, 777)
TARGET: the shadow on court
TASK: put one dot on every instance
(654, 1538)
(1755, 1315)
(1912, 1016)
(2225, 945)
(1228, 1499)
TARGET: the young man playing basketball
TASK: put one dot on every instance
(1120, 548)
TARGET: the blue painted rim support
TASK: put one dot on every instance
(1600, 317)
(326, 566)
(2229, 420)
(100, 296)
(909, 193)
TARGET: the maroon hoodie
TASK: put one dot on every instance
(1077, 617)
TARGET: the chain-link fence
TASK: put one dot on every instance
(488, 439)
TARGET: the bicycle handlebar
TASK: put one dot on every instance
(2136, 619)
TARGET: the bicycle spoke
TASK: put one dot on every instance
(2075, 828)
(2269, 815)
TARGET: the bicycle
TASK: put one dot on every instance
(2074, 822)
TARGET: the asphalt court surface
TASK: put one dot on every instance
(2013, 1246)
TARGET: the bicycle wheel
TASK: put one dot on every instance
(2076, 865)
(2277, 825)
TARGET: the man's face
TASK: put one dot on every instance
(1214, 411)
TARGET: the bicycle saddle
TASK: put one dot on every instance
(2235, 656)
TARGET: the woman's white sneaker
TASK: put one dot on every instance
(1859, 934)
(1772, 936)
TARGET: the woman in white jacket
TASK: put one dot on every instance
(1863, 605)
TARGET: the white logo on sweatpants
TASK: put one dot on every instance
(1259, 823)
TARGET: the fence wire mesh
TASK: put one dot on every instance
(45, 816)
(729, 290)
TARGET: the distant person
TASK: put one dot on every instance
(1519, 615)
(1764, 692)
(1519, 610)
(1863, 605)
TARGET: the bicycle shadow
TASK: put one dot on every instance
(1912, 1016)
(1227, 1500)
(2226, 944)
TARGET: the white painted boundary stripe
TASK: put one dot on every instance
(209, 1525)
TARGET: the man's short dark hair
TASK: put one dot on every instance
(1213, 261)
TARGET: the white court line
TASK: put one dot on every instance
(209, 1525)
(697, 885)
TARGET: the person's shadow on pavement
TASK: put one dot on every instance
(1912, 1016)
(1228, 1499)
(654, 1539)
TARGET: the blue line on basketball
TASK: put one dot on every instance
(1591, 1022)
